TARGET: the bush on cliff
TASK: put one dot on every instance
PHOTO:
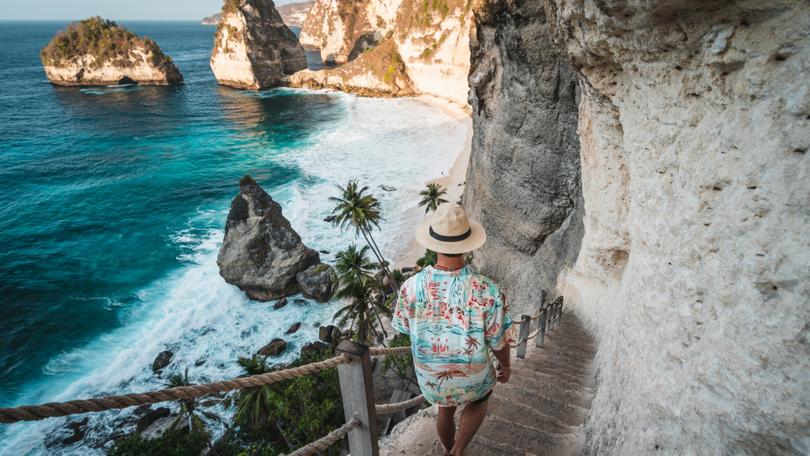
(103, 39)
(173, 442)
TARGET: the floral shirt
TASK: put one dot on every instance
(453, 318)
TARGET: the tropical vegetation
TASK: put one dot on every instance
(432, 197)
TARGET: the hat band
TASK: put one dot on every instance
(443, 238)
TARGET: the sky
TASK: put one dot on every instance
(110, 9)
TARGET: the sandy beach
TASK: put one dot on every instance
(453, 182)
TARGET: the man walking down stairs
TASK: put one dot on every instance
(541, 411)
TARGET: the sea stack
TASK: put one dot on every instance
(262, 253)
(253, 49)
(96, 51)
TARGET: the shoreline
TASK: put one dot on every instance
(453, 182)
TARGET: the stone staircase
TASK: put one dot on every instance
(541, 411)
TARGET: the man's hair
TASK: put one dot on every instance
(453, 255)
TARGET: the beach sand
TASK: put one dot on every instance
(453, 182)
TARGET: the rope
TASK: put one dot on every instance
(55, 409)
(323, 443)
(389, 409)
(382, 351)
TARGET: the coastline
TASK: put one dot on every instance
(453, 182)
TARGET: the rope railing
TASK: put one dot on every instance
(323, 444)
(57, 409)
(384, 351)
(389, 409)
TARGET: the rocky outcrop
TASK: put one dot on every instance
(430, 41)
(253, 49)
(162, 360)
(261, 253)
(685, 255)
(211, 20)
(96, 51)
(294, 14)
(274, 348)
(379, 72)
(318, 282)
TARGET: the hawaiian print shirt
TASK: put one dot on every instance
(453, 318)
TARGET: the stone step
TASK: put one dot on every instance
(482, 446)
(556, 355)
(531, 389)
(571, 342)
(525, 438)
(566, 374)
(568, 383)
(568, 413)
(526, 413)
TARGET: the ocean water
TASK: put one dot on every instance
(112, 208)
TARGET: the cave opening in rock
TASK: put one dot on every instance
(126, 80)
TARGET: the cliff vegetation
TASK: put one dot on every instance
(103, 39)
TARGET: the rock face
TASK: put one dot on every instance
(379, 72)
(96, 51)
(318, 282)
(430, 41)
(274, 348)
(253, 49)
(294, 14)
(261, 253)
(683, 246)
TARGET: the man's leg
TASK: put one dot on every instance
(446, 427)
(471, 418)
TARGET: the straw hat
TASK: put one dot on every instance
(448, 230)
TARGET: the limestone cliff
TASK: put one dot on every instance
(431, 38)
(96, 51)
(379, 72)
(253, 49)
(648, 160)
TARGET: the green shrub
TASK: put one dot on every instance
(173, 442)
(429, 259)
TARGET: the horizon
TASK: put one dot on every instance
(59, 11)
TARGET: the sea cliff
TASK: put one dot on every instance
(96, 51)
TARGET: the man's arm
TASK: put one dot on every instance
(502, 356)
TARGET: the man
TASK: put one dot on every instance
(454, 317)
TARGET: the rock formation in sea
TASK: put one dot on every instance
(262, 253)
(96, 51)
(430, 39)
(379, 72)
(318, 282)
(648, 161)
(253, 49)
(293, 14)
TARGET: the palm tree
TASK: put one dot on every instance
(472, 345)
(352, 264)
(432, 197)
(355, 208)
(365, 304)
(189, 413)
(254, 405)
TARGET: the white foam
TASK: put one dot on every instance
(400, 143)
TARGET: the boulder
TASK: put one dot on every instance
(162, 360)
(294, 328)
(96, 51)
(253, 49)
(318, 282)
(150, 417)
(313, 348)
(280, 303)
(329, 334)
(274, 348)
(261, 253)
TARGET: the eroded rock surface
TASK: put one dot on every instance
(253, 49)
(318, 282)
(96, 51)
(262, 253)
(691, 267)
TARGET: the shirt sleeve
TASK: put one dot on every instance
(498, 329)
(404, 311)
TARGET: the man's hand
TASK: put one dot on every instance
(504, 373)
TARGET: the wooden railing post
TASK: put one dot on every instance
(525, 326)
(541, 326)
(357, 391)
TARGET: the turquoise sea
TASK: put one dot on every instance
(112, 205)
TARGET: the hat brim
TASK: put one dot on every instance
(476, 239)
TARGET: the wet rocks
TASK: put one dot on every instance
(262, 253)
(294, 328)
(162, 360)
(280, 303)
(274, 348)
(329, 334)
(318, 282)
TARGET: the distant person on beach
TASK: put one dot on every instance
(454, 318)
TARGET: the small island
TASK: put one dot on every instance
(96, 51)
